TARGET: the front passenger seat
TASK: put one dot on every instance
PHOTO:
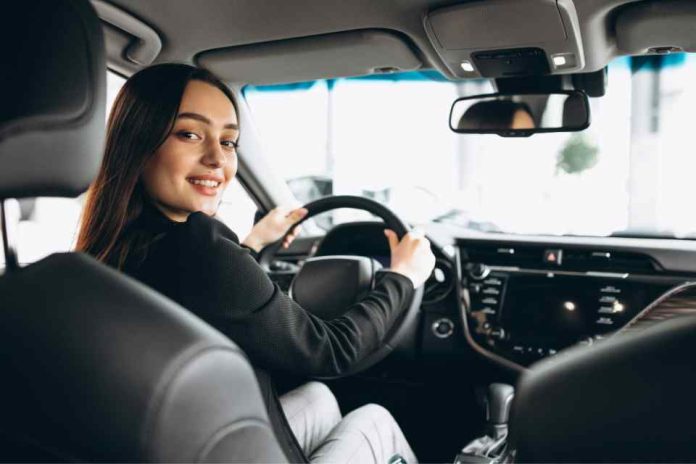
(95, 366)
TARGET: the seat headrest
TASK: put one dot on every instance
(52, 98)
(628, 398)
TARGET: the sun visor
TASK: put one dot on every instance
(657, 27)
(354, 53)
(504, 38)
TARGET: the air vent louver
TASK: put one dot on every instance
(604, 260)
(573, 259)
(505, 255)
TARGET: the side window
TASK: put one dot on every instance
(114, 82)
(237, 209)
(49, 225)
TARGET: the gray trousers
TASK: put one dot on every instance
(367, 435)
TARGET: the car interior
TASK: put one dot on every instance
(543, 146)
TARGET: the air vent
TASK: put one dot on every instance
(505, 255)
(605, 260)
(571, 259)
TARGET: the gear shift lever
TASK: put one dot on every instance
(491, 447)
(498, 402)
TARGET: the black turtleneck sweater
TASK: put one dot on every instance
(201, 265)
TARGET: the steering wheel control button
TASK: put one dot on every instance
(443, 328)
(553, 256)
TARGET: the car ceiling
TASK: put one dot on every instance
(189, 28)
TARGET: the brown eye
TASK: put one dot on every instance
(229, 144)
(188, 135)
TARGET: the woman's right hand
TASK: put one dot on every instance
(411, 257)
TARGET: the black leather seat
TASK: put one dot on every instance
(95, 366)
(625, 399)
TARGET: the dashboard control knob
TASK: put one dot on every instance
(479, 271)
(443, 328)
(498, 333)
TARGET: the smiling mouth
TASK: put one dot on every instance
(205, 182)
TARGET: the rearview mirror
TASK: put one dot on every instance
(522, 114)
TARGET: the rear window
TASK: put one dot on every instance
(49, 224)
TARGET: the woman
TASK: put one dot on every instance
(497, 114)
(170, 153)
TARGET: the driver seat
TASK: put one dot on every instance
(97, 367)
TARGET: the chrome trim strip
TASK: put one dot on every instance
(609, 275)
(515, 269)
(505, 268)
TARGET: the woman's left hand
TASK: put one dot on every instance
(272, 227)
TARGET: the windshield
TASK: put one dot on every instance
(388, 138)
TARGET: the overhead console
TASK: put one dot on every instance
(656, 27)
(524, 302)
(504, 38)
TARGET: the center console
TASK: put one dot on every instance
(521, 304)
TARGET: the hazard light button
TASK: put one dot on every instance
(553, 256)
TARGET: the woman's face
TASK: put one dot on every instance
(522, 120)
(191, 169)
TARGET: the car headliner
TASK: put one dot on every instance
(188, 28)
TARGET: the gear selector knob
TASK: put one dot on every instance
(491, 447)
(498, 402)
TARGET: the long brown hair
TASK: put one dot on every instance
(142, 117)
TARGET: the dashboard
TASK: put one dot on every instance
(518, 299)
(521, 303)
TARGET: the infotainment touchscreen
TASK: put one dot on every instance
(526, 315)
(557, 310)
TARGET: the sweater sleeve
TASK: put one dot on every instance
(254, 254)
(222, 283)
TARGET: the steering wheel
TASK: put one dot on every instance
(327, 285)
